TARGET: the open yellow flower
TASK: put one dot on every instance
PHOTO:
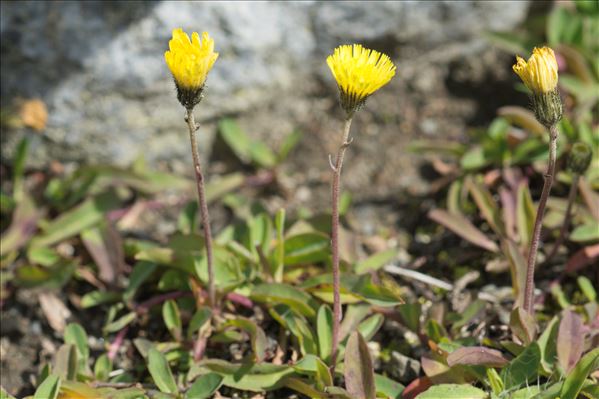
(190, 61)
(539, 74)
(359, 72)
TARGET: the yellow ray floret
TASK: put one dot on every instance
(359, 71)
(190, 60)
(539, 74)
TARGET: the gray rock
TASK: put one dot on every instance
(99, 66)
(402, 368)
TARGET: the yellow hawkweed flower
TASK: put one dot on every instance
(359, 72)
(539, 74)
(190, 61)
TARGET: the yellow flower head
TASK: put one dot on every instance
(359, 72)
(189, 62)
(539, 74)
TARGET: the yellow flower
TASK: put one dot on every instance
(539, 74)
(359, 72)
(190, 61)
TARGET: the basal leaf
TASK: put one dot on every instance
(359, 373)
(161, 372)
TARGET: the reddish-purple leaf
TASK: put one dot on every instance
(476, 356)
(590, 197)
(105, 245)
(582, 258)
(416, 387)
(440, 373)
(359, 373)
(462, 227)
(22, 227)
(508, 202)
(55, 310)
(523, 325)
(570, 337)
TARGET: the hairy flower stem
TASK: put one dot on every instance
(534, 245)
(567, 217)
(203, 205)
(335, 240)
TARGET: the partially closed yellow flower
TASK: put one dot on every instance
(190, 61)
(359, 72)
(539, 74)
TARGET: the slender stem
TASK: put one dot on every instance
(203, 205)
(534, 245)
(335, 240)
(567, 217)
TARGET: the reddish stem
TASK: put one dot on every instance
(534, 245)
(335, 241)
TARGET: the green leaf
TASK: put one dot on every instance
(453, 391)
(74, 334)
(280, 248)
(43, 256)
(65, 362)
(5, 395)
(313, 366)
(474, 159)
(525, 213)
(387, 387)
(375, 262)
(48, 389)
(586, 233)
(73, 222)
(575, 380)
(249, 376)
(523, 369)
(262, 155)
(288, 144)
(161, 372)
(188, 218)
(369, 327)
(359, 373)
(19, 168)
(557, 23)
(95, 298)
(298, 326)
(586, 286)
(547, 345)
(102, 367)
(324, 328)
(127, 393)
(410, 314)
(236, 139)
(140, 273)
(120, 323)
(172, 318)
(204, 386)
(199, 319)
(260, 229)
(257, 336)
(306, 248)
(286, 294)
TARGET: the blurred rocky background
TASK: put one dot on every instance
(99, 69)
